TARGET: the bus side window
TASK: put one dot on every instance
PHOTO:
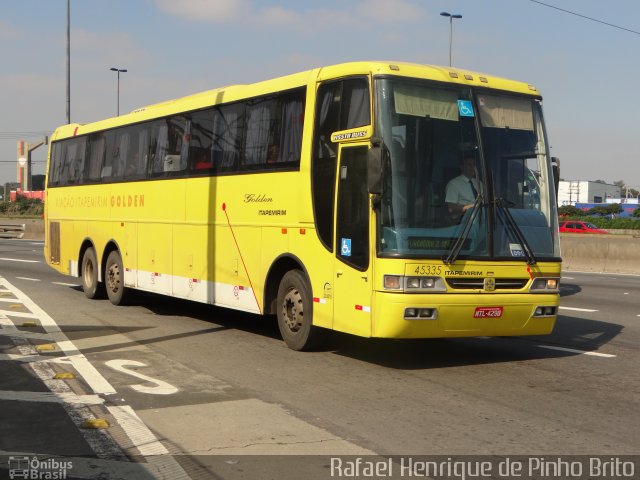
(179, 136)
(200, 144)
(96, 150)
(227, 134)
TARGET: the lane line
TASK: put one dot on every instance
(51, 397)
(66, 284)
(125, 416)
(582, 352)
(17, 314)
(29, 279)
(19, 260)
(147, 443)
(567, 278)
(578, 309)
(102, 444)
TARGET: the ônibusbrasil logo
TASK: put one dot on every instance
(33, 468)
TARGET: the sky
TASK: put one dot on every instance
(586, 71)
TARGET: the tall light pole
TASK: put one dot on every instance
(451, 17)
(68, 62)
(118, 70)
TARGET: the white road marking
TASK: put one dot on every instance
(51, 397)
(30, 279)
(160, 388)
(19, 260)
(578, 309)
(144, 440)
(17, 314)
(573, 350)
(101, 443)
(66, 284)
(568, 278)
(36, 243)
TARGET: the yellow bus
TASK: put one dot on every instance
(333, 198)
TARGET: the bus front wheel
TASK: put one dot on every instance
(114, 278)
(295, 312)
(90, 285)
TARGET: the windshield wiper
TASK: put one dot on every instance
(501, 204)
(455, 249)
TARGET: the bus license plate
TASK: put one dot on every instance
(488, 312)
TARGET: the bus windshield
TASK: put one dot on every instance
(462, 163)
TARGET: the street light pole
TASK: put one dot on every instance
(451, 17)
(68, 62)
(118, 70)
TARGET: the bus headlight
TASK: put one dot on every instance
(545, 285)
(393, 282)
(414, 284)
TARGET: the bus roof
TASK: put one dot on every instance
(233, 93)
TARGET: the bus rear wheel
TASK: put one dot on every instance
(114, 278)
(90, 285)
(295, 313)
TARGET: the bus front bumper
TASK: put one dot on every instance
(462, 315)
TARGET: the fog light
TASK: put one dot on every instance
(545, 311)
(427, 312)
(410, 312)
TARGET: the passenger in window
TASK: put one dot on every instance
(273, 154)
(133, 166)
(203, 161)
(461, 191)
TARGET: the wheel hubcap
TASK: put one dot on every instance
(292, 310)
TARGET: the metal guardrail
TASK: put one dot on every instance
(12, 230)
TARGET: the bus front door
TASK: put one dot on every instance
(353, 283)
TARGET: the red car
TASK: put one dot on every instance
(572, 226)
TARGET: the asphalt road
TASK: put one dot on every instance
(218, 389)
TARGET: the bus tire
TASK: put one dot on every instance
(114, 278)
(295, 312)
(90, 285)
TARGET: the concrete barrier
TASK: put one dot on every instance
(600, 253)
(33, 227)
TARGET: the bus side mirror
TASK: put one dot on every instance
(555, 168)
(374, 168)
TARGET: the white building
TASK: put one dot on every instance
(584, 191)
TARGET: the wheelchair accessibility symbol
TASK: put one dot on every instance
(465, 107)
(345, 250)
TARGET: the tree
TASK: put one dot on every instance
(636, 212)
(570, 211)
(611, 210)
(626, 190)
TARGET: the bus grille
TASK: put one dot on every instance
(54, 242)
(478, 283)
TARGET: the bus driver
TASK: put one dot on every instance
(461, 191)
